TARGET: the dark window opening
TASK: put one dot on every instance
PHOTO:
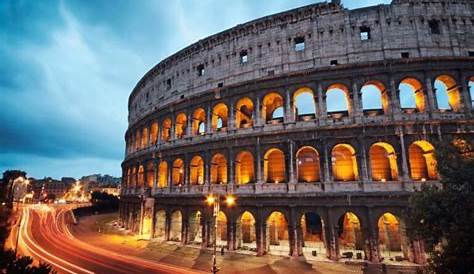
(168, 84)
(147, 96)
(299, 43)
(200, 70)
(434, 26)
(364, 33)
(405, 55)
(333, 62)
(471, 53)
(244, 57)
(219, 85)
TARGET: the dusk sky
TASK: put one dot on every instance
(68, 67)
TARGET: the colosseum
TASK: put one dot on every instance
(319, 121)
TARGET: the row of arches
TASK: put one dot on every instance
(383, 166)
(374, 95)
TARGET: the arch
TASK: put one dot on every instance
(162, 174)
(129, 177)
(304, 106)
(244, 113)
(274, 166)
(154, 133)
(422, 161)
(272, 106)
(180, 126)
(218, 169)
(220, 116)
(470, 85)
(176, 226)
(145, 137)
(337, 99)
(389, 236)
(374, 97)
(244, 168)
(448, 96)
(195, 227)
(160, 224)
(166, 130)
(350, 237)
(197, 170)
(411, 95)
(344, 163)
(141, 176)
(276, 234)
(246, 233)
(313, 236)
(199, 122)
(178, 172)
(150, 174)
(308, 164)
(221, 229)
(383, 162)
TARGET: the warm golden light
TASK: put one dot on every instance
(210, 200)
(230, 200)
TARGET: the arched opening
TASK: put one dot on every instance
(350, 240)
(272, 108)
(141, 176)
(154, 133)
(344, 163)
(160, 224)
(150, 175)
(383, 162)
(390, 238)
(471, 90)
(163, 174)
(138, 141)
(220, 116)
(218, 169)
(221, 229)
(176, 226)
(308, 165)
(274, 166)
(147, 223)
(199, 122)
(337, 101)
(145, 137)
(244, 112)
(374, 98)
(312, 227)
(246, 235)
(180, 128)
(244, 168)
(277, 234)
(195, 228)
(412, 97)
(304, 106)
(178, 172)
(447, 93)
(422, 161)
(197, 170)
(166, 130)
(129, 178)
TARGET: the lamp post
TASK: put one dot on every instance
(214, 200)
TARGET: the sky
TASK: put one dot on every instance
(68, 67)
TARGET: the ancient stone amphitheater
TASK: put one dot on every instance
(320, 121)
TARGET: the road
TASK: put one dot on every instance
(44, 235)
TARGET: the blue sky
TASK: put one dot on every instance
(67, 68)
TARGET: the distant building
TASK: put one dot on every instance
(49, 186)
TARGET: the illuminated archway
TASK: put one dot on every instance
(383, 162)
(129, 177)
(163, 174)
(471, 90)
(176, 226)
(272, 107)
(246, 234)
(390, 237)
(447, 93)
(154, 133)
(220, 115)
(221, 229)
(344, 163)
(308, 164)
(141, 176)
(178, 172)
(197, 170)
(160, 224)
(244, 168)
(304, 106)
(195, 228)
(166, 130)
(411, 95)
(218, 169)
(180, 127)
(133, 179)
(374, 97)
(337, 99)
(422, 161)
(312, 228)
(276, 234)
(350, 237)
(244, 113)
(145, 137)
(274, 166)
(199, 122)
(150, 175)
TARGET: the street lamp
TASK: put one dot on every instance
(214, 200)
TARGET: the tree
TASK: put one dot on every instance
(444, 217)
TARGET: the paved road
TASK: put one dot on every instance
(45, 236)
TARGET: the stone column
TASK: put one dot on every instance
(465, 94)
(294, 234)
(365, 176)
(232, 227)
(371, 238)
(230, 168)
(231, 121)
(291, 162)
(394, 97)
(330, 232)
(173, 128)
(167, 226)
(155, 175)
(258, 158)
(160, 131)
(326, 161)
(170, 176)
(207, 168)
(260, 231)
(204, 232)
(356, 109)
(184, 228)
(209, 119)
(289, 114)
(189, 125)
(405, 170)
(258, 115)
(322, 109)
(432, 106)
